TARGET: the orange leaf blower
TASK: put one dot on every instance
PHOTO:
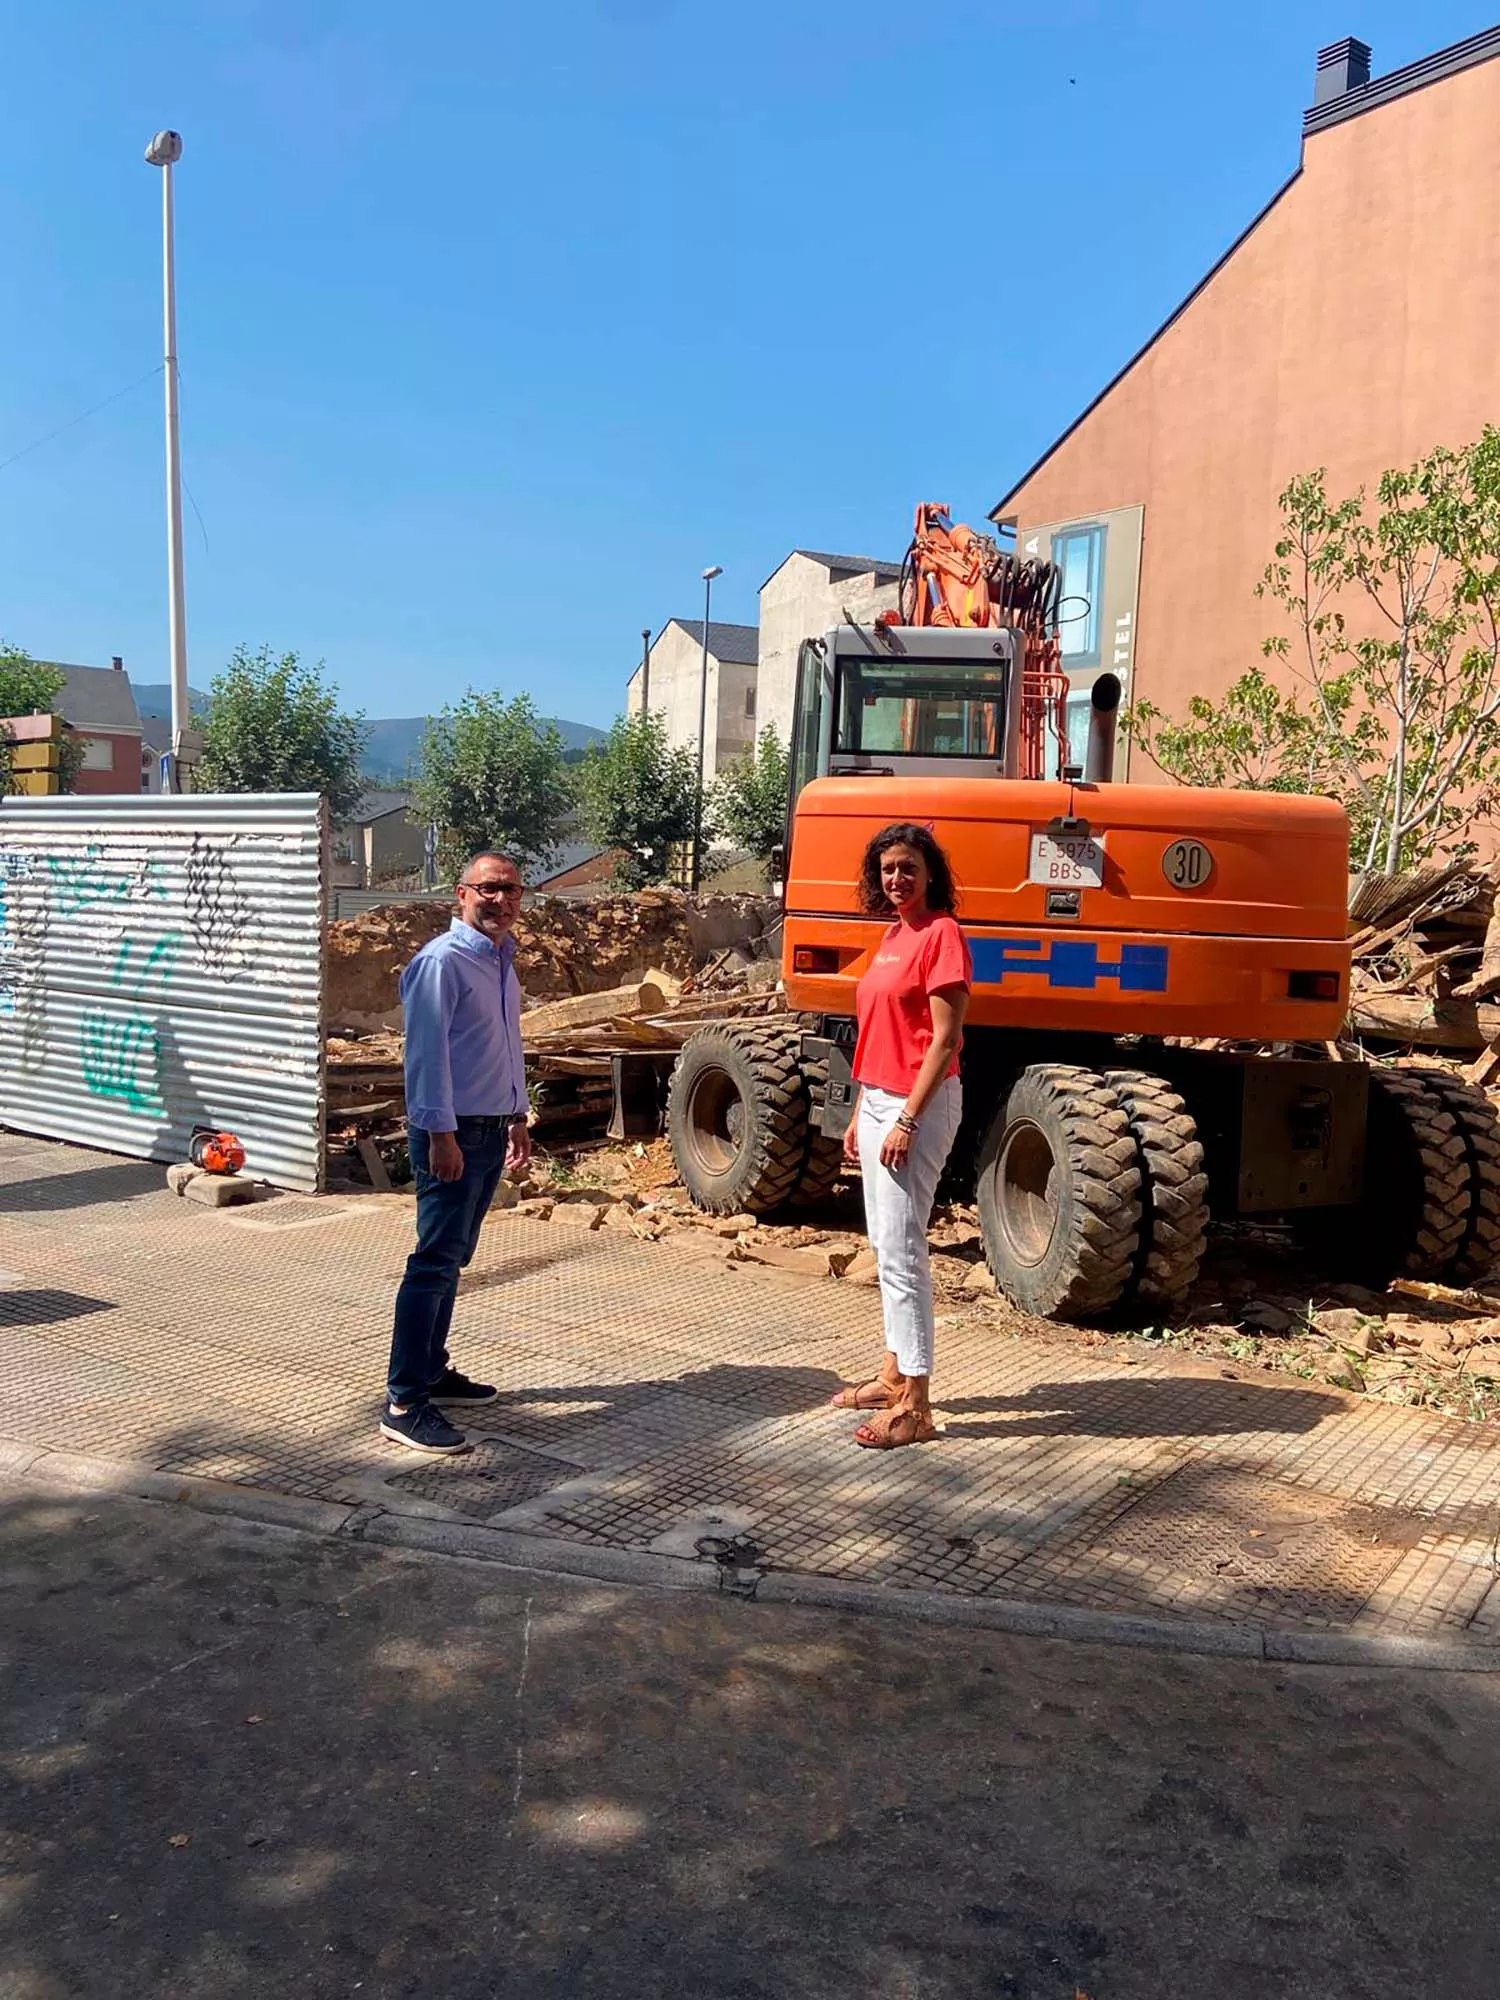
(214, 1151)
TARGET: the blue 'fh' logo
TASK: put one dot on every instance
(1073, 963)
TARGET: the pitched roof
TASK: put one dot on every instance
(1365, 97)
(1435, 68)
(376, 803)
(877, 566)
(95, 697)
(736, 645)
(1144, 349)
(568, 855)
(857, 565)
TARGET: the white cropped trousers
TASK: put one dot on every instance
(897, 1208)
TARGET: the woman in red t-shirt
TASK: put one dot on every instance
(911, 1004)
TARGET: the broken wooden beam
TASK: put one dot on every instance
(1431, 1023)
(643, 996)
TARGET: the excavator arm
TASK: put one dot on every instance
(952, 576)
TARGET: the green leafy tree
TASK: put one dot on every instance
(31, 687)
(749, 798)
(637, 794)
(1394, 655)
(1257, 737)
(274, 725)
(491, 775)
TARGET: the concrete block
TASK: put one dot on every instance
(864, 1270)
(577, 1215)
(805, 1263)
(220, 1190)
(178, 1176)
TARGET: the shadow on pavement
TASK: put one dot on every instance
(122, 1181)
(244, 1763)
(44, 1307)
(1185, 1406)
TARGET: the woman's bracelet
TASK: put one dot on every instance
(906, 1122)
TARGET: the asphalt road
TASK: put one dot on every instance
(242, 1762)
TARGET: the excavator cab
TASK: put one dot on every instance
(898, 701)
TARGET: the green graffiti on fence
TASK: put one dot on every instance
(121, 1053)
(122, 1059)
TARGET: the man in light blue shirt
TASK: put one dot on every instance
(466, 1125)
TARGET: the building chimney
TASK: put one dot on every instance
(1342, 67)
(117, 663)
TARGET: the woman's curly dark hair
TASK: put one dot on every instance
(942, 891)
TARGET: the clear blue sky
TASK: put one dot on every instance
(498, 322)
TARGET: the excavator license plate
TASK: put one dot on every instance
(1067, 861)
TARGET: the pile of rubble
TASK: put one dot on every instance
(594, 994)
(563, 948)
(1427, 963)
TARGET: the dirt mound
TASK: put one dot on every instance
(562, 947)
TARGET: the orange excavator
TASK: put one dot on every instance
(1159, 974)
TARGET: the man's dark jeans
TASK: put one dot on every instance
(449, 1215)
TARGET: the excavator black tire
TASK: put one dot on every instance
(824, 1165)
(1413, 1218)
(1478, 1122)
(737, 1111)
(822, 1169)
(1059, 1193)
(1174, 1187)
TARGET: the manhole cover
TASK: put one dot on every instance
(486, 1480)
(1254, 1546)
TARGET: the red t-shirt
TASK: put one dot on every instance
(895, 1015)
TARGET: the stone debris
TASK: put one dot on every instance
(622, 975)
(563, 948)
(210, 1190)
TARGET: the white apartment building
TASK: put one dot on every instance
(676, 658)
(752, 670)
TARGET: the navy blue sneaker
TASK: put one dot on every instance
(423, 1428)
(452, 1387)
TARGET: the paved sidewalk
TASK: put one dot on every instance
(656, 1394)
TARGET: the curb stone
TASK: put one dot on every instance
(513, 1550)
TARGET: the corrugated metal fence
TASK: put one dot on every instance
(161, 967)
(355, 902)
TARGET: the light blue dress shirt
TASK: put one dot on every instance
(462, 1004)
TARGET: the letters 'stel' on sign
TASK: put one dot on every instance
(1187, 864)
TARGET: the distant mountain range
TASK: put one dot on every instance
(393, 742)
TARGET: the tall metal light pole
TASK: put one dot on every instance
(165, 151)
(708, 591)
(645, 670)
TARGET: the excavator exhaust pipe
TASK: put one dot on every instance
(1104, 707)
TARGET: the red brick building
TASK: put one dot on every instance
(100, 705)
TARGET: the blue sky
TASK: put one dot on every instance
(498, 322)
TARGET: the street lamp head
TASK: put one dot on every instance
(165, 149)
(710, 574)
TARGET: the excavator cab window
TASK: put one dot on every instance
(807, 723)
(924, 708)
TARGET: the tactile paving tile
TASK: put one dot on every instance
(485, 1480)
(1227, 1540)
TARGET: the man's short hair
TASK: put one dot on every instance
(487, 854)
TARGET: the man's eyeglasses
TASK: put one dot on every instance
(493, 888)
